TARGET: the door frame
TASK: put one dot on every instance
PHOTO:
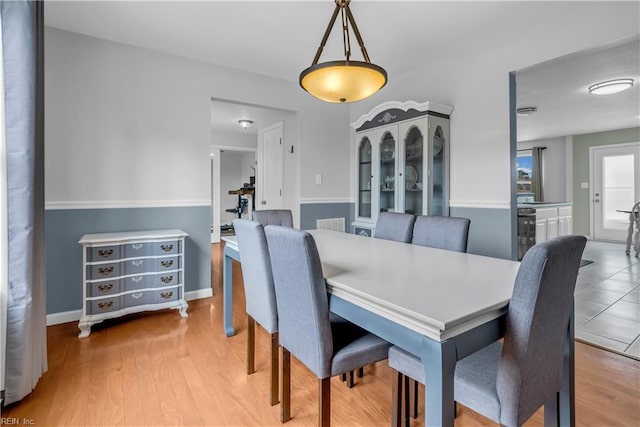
(592, 220)
(216, 171)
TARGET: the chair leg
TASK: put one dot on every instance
(324, 408)
(361, 372)
(350, 381)
(343, 377)
(396, 399)
(285, 399)
(414, 400)
(407, 399)
(275, 399)
(251, 345)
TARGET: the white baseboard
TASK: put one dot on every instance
(200, 293)
(74, 315)
(63, 317)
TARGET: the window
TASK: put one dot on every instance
(524, 167)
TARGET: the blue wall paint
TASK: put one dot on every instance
(310, 212)
(63, 229)
(490, 231)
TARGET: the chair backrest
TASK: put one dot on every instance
(301, 296)
(281, 217)
(442, 232)
(394, 226)
(530, 369)
(256, 273)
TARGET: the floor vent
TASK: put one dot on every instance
(333, 224)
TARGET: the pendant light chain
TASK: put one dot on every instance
(344, 80)
(346, 40)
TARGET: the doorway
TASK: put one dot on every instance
(615, 183)
(232, 170)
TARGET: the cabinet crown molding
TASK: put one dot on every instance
(420, 108)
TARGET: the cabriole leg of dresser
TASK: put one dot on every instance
(85, 328)
(182, 308)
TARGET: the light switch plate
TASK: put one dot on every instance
(318, 178)
(584, 185)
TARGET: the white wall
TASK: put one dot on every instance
(477, 86)
(126, 125)
(554, 166)
(234, 139)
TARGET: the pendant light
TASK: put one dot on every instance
(348, 80)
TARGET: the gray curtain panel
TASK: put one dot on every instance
(536, 180)
(23, 67)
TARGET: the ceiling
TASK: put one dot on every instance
(559, 90)
(243, 35)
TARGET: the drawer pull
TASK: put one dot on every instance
(137, 279)
(136, 296)
(105, 288)
(166, 295)
(166, 279)
(105, 253)
(167, 263)
(137, 246)
(137, 263)
(105, 271)
(105, 305)
(166, 248)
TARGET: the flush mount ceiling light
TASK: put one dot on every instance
(526, 111)
(245, 123)
(610, 86)
(343, 81)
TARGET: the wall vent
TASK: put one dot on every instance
(333, 224)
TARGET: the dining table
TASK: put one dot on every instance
(438, 305)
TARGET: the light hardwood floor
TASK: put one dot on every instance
(159, 369)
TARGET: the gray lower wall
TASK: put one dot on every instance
(310, 212)
(490, 232)
(63, 229)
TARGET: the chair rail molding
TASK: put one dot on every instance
(109, 204)
(482, 204)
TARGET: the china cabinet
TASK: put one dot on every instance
(402, 162)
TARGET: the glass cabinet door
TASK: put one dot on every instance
(387, 176)
(438, 173)
(413, 171)
(364, 178)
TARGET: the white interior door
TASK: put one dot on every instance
(270, 173)
(615, 174)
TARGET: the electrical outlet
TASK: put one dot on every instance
(584, 185)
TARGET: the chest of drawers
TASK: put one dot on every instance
(129, 272)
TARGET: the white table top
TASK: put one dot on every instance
(434, 292)
(231, 241)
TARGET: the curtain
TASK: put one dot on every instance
(23, 70)
(536, 171)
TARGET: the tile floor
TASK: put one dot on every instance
(607, 299)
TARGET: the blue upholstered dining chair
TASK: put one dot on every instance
(281, 217)
(259, 294)
(306, 331)
(442, 232)
(394, 226)
(508, 383)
